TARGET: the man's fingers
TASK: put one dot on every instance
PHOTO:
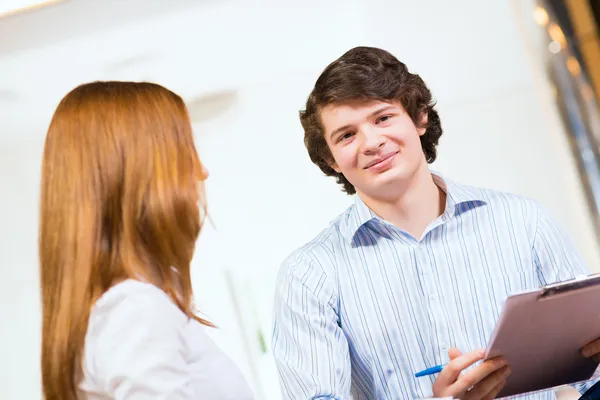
(483, 378)
(591, 349)
(454, 353)
(490, 385)
(451, 372)
(496, 390)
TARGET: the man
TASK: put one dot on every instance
(418, 267)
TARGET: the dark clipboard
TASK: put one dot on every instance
(541, 332)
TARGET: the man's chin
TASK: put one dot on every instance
(389, 187)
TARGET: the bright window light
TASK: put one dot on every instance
(14, 6)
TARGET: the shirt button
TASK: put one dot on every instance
(445, 346)
(433, 297)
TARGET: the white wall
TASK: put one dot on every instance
(265, 196)
(19, 299)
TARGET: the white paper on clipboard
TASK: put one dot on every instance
(541, 332)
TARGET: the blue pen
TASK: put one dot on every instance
(430, 371)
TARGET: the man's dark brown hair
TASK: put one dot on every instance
(367, 73)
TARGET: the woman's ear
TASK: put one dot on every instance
(205, 172)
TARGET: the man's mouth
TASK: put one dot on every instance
(381, 159)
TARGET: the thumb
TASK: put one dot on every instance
(454, 353)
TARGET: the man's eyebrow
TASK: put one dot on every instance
(338, 130)
(373, 114)
(381, 110)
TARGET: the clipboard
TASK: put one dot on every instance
(541, 332)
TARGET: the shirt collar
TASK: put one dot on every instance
(456, 194)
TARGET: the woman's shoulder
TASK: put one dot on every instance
(133, 295)
(132, 304)
(129, 324)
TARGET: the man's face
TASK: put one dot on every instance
(374, 144)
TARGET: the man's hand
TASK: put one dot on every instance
(592, 350)
(482, 382)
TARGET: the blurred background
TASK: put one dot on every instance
(516, 83)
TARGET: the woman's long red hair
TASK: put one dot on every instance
(120, 198)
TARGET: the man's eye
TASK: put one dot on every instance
(383, 118)
(346, 136)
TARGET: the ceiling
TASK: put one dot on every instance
(68, 19)
(46, 51)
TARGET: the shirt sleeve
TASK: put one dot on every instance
(310, 349)
(557, 260)
(554, 255)
(138, 348)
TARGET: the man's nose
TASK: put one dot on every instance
(372, 140)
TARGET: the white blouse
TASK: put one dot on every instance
(139, 345)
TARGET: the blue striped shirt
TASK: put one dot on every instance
(365, 305)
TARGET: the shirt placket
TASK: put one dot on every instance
(441, 340)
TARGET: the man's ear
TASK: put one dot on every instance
(423, 123)
(335, 167)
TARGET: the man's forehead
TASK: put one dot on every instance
(358, 105)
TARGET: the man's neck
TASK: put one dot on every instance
(420, 202)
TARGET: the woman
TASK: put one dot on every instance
(121, 208)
